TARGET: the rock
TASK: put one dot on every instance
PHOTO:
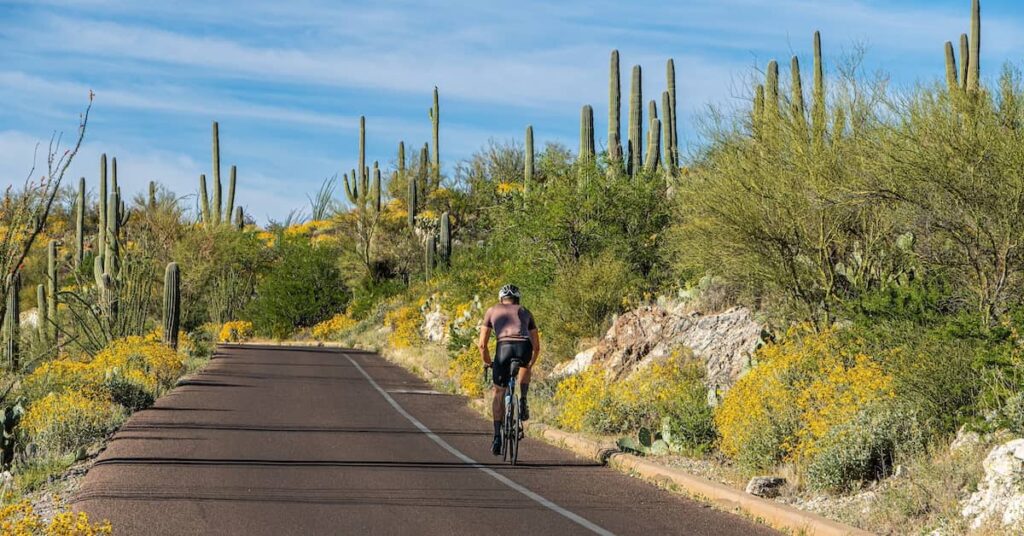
(575, 365)
(768, 487)
(434, 324)
(637, 338)
(964, 440)
(1000, 495)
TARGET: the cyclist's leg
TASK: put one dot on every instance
(500, 369)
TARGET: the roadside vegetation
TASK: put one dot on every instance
(876, 230)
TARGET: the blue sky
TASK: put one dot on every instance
(289, 80)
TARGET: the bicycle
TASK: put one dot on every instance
(512, 424)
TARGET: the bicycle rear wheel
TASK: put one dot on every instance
(515, 426)
(506, 429)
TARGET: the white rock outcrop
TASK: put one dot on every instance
(1000, 495)
(725, 341)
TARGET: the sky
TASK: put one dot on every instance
(288, 81)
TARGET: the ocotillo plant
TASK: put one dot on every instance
(586, 153)
(80, 224)
(52, 287)
(435, 120)
(446, 239)
(614, 111)
(528, 168)
(12, 316)
(172, 305)
(636, 131)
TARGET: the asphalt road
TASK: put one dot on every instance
(271, 440)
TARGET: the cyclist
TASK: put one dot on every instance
(518, 340)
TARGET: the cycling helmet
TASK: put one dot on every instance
(509, 291)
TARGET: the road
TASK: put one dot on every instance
(273, 440)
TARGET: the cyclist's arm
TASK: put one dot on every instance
(485, 336)
(535, 340)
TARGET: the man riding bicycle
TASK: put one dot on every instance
(518, 341)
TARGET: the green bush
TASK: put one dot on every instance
(302, 288)
(864, 448)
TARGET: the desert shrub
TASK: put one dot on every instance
(235, 331)
(332, 327)
(863, 448)
(63, 422)
(466, 369)
(801, 388)
(367, 296)
(151, 365)
(303, 287)
(672, 388)
(405, 327)
(57, 376)
(21, 519)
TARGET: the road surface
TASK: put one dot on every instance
(279, 440)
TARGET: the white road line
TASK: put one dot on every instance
(458, 454)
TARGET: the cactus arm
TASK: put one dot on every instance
(362, 152)
(12, 316)
(232, 179)
(668, 158)
(435, 119)
(965, 60)
(797, 97)
(951, 75)
(671, 111)
(80, 224)
(101, 233)
(204, 200)
(758, 114)
(974, 72)
(818, 113)
(172, 305)
(653, 145)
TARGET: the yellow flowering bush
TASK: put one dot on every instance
(63, 422)
(508, 188)
(21, 519)
(310, 228)
(332, 327)
(235, 331)
(801, 389)
(671, 389)
(466, 368)
(405, 327)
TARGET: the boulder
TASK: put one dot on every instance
(768, 487)
(575, 365)
(724, 341)
(1000, 495)
(435, 323)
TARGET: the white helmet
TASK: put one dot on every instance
(509, 291)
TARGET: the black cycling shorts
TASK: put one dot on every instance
(508, 351)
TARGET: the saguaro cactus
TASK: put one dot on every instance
(216, 212)
(653, 145)
(796, 99)
(411, 200)
(239, 219)
(52, 287)
(758, 114)
(974, 72)
(80, 224)
(668, 157)
(965, 60)
(435, 120)
(101, 234)
(446, 239)
(172, 305)
(818, 113)
(429, 247)
(528, 168)
(12, 317)
(376, 193)
(232, 179)
(636, 131)
(614, 111)
(671, 112)
(771, 92)
(586, 153)
(401, 159)
(204, 200)
(42, 319)
(362, 152)
(951, 74)
(111, 261)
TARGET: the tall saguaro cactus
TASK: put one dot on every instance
(80, 223)
(216, 212)
(796, 99)
(101, 234)
(653, 145)
(818, 113)
(771, 92)
(429, 247)
(952, 81)
(528, 168)
(671, 139)
(965, 60)
(204, 200)
(376, 193)
(232, 179)
(239, 219)
(362, 152)
(172, 304)
(586, 153)
(435, 120)
(43, 321)
(12, 317)
(668, 157)
(614, 112)
(974, 72)
(52, 287)
(636, 131)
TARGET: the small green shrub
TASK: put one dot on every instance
(864, 448)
